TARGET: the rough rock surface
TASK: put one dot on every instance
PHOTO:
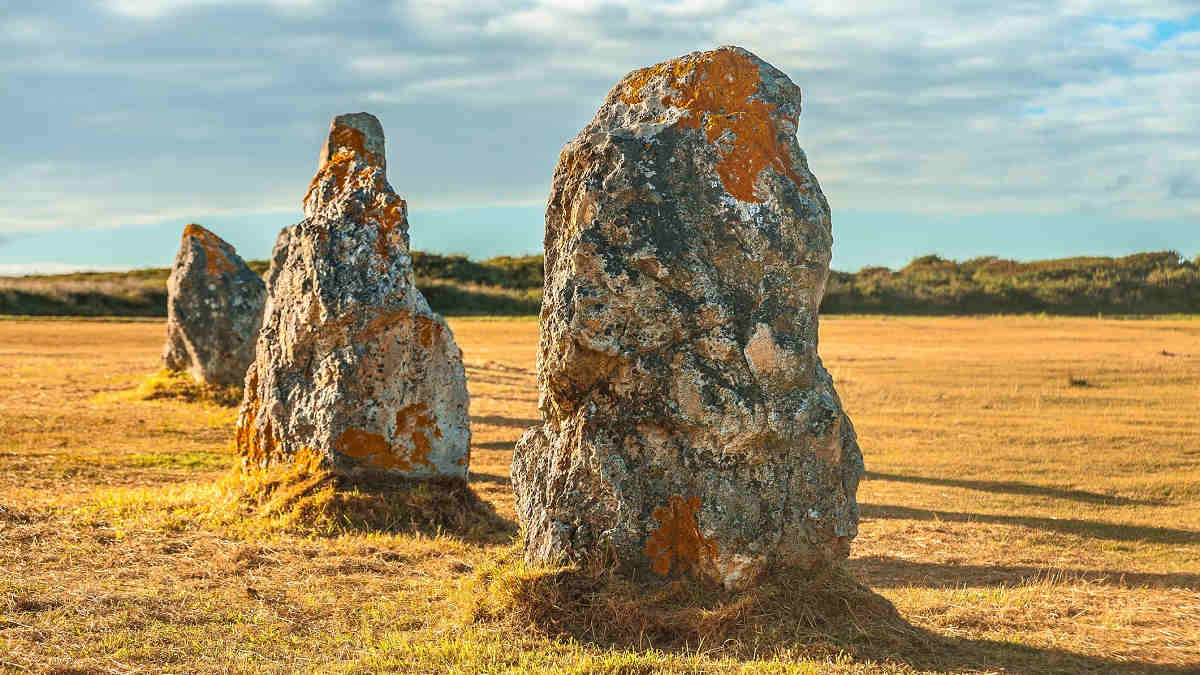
(214, 309)
(353, 369)
(688, 423)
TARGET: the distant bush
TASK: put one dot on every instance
(1160, 282)
(522, 273)
(452, 298)
(101, 294)
(453, 285)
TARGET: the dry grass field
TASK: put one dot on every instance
(1032, 504)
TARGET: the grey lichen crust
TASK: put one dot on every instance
(214, 309)
(689, 425)
(353, 370)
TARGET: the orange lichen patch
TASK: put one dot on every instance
(336, 170)
(347, 161)
(388, 214)
(414, 421)
(678, 543)
(351, 140)
(362, 444)
(373, 449)
(345, 153)
(425, 330)
(418, 422)
(716, 91)
(635, 82)
(216, 262)
(255, 448)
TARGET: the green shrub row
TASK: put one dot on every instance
(1145, 283)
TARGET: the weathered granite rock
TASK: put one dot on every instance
(214, 309)
(278, 257)
(688, 423)
(352, 368)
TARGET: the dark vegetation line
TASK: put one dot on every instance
(1161, 282)
(1141, 284)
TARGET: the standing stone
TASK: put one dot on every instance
(353, 369)
(214, 309)
(688, 423)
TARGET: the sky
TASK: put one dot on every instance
(1019, 129)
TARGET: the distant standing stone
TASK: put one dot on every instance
(214, 309)
(353, 370)
(689, 426)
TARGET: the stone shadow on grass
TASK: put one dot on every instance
(792, 615)
(1016, 488)
(477, 477)
(11, 515)
(888, 572)
(1084, 528)
(495, 445)
(502, 421)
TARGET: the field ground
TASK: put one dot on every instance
(1032, 502)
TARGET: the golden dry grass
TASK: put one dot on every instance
(1031, 505)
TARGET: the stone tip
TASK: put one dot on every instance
(738, 49)
(198, 231)
(701, 80)
(358, 133)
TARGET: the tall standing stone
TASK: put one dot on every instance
(214, 309)
(688, 423)
(352, 367)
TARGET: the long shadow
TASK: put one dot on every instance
(501, 421)
(522, 400)
(1015, 488)
(476, 477)
(495, 445)
(496, 366)
(1084, 528)
(819, 621)
(881, 571)
(963, 654)
(12, 515)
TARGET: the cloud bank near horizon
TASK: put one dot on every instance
(132, 112)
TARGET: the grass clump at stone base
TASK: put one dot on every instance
(178, 385)
(304, 498)
(795, 614)
(795, 621)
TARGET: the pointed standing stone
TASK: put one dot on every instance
(688, 424)
(214, 309)
(352, 368)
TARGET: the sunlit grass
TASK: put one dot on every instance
(1014, 521)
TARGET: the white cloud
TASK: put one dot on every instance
(49, 195)
(973, 107)
(391, 63)
(154, 9)
(51, 267)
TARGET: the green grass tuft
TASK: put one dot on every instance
(178, 385)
